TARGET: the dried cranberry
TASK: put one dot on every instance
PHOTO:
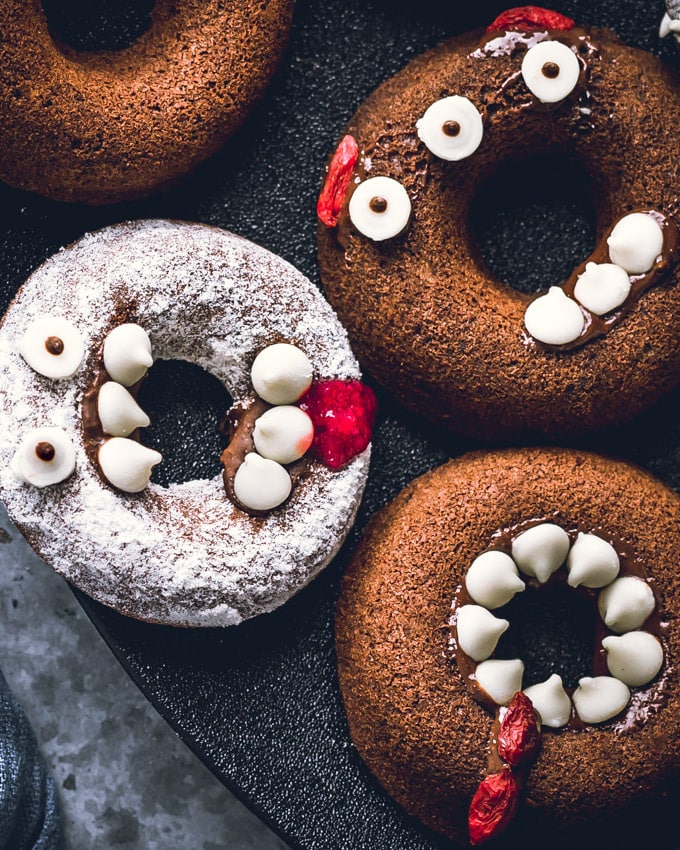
(529, 19)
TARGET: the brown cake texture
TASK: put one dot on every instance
(107, 126)
(428, 319)
(410, 714)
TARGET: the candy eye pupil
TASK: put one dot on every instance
(551, 70)
(451, 128)
(377, 204)
(44, 450)
(54, 345)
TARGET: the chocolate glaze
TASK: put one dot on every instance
(644, 699)
(597, 326)
(239, 424)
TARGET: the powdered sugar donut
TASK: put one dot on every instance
(74, 474)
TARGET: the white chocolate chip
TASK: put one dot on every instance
(127, 354)
(493, 580)
(118, 412)
(451, 128)
(550, 70)
(127, 464)
(281, 373)
(52, 346)
(635, 658)
(635, 242)
(600, 698)
(500, 678)
(541, 550)
(380, 208)
(45, 456)
(478, 631)
(602, 287)
(551, 701)
(669, 25)
(261, 484)
(554, 318)
(283, 433)
(592, 562)
(626, 603)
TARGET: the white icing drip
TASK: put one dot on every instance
(125, 550)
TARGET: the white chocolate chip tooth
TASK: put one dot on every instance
(127, 464)
(281, 373)
(127, 354)
(554, 318)
(551, 701)
(600, 698)
(635, 657)
(602, 287)
(541, 550)
(283, 433)
(626, 603)
(493, 579)
(118, 412)
(478, 631)
(635, 242)
(592, 562)
(500, 678)
(261, 484)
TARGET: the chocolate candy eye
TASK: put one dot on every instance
(52, 346)
(45, 456)
(551, 71)
(451, 128)
(380, 208)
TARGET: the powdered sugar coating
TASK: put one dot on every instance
(182, 555)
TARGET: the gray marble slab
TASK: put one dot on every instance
(125, 780)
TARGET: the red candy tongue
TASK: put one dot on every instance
(337, 180)
(530, 18)
(343, 413)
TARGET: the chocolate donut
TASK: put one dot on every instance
(433, 585)
(75, 345)
(108, 126)
(399, 260)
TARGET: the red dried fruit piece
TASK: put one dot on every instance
(493, 806)
(519, 735)
(343, 414)
(530, 18)
(337, 180)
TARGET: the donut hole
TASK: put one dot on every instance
(90, 25)
(186, 405)
(552, 629)
(534, 221)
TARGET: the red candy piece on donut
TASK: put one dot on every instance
(519, 735)
(337, 180)
(343, 414)
(493, 806)
(529, 18)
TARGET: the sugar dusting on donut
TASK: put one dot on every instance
(183, 554)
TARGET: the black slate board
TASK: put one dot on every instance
(259, 703)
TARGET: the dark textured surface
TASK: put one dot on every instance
(260, 703)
